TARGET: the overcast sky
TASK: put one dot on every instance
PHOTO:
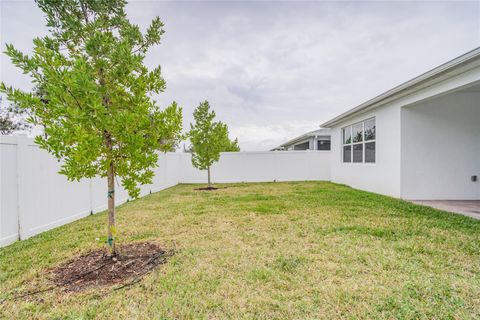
(274, 70)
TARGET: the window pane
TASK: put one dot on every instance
(347, 154)
(370, 129)
(347, 135)
(302, 146)
(358, 152)
(323, 145)
(370, 152)
(357, 132)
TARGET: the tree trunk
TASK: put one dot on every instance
(209, 183)
(112, 232)
(111, 208)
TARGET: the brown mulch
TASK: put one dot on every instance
(209, 188)
(99, 268)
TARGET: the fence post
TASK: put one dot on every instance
(90, 194)
(22, 145)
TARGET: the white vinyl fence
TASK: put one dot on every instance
(35, 198)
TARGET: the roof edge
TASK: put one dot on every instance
(424, 77)
(305, 136)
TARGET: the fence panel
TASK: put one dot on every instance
(8, 190)
(35, 198)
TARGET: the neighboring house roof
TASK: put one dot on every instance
(447, 70)
(314, 133)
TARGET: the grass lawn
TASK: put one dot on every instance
(267, 250)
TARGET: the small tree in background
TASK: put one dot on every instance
(96, 106)
(232, 146)
(12, 119)
(208, 139)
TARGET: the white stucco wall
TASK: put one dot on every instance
(441, 148)
(383, 176)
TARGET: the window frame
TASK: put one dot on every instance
(363, 142)
(307, 143)
(318, 144)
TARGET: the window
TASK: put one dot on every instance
(302, 146)
(347, 153)
(323, 145)
(358, 152)
(359, 142)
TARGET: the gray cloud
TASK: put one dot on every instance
(273, 70)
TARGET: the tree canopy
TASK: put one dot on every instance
(97, 106)
(208, 138)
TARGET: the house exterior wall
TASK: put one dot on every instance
(441, 148)
(311, 143)
(383, 176)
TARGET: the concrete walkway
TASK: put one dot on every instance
(469, 208)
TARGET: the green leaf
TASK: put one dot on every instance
(208, 138)
(93, 92)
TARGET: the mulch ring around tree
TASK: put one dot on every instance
(99, 268)
(209, 188)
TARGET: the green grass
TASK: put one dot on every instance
(263, 251)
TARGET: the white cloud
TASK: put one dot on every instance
(266, 137)
(275, 70)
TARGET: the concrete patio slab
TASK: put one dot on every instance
(469, 208)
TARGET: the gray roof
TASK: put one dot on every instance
(314, 133)
(447, 70)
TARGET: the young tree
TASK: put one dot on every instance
(208, 139)
(231, 146)
(96, 105)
